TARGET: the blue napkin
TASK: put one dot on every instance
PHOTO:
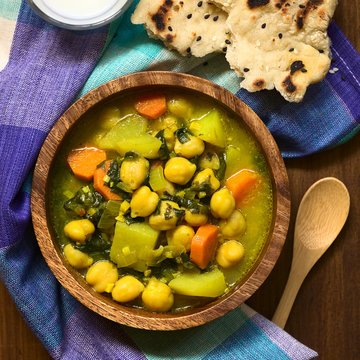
(43, 71)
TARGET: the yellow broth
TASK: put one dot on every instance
(256, 208)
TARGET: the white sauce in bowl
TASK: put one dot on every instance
(79, 14)
(80, 9)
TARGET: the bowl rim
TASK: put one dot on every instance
(136, 317)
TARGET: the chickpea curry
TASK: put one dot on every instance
(162, 201)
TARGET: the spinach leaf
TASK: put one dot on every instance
(113, 173)
(195, 206)
(183, 135)
(130, 220)
(131, 156)
(220, 173)
(163, 151)
(95, 244)
(87, 203)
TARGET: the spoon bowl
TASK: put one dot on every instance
(321, 216)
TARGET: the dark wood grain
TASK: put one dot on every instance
(326, 314)
(75, 284)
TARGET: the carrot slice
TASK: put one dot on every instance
(241, 183)
(203, 245)
(99, 183)
(151, 106)
(83, 161)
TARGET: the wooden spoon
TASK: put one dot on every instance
(322, 214)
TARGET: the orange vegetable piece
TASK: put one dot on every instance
(83, 161)
(99, 183)
(241, 183)
(152, 105)
(203, 245)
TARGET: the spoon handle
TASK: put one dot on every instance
(296, 278)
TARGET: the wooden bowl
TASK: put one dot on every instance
(75, 283)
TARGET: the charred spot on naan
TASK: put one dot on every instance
(259, 84)
(159, 18)
(301, 15)
(288, 85)
(280, 3)
(252, 4)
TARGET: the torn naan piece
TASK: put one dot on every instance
(191, 27)
(280, 43)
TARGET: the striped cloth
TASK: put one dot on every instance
(43, 69)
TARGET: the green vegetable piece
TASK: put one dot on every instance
(132, 239)
(146, 145)
(109, 116)
(129, 127)
(209, 284)
(111, 211)
(157, 179)
(233, 161)
(210, 129)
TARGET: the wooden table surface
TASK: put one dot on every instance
(326, 313)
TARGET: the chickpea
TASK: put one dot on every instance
(134, 172)
(179, 170)
(126, 289)
(234, 226)
(181, 236)
(207, 176)
(79, 230)
(169, 215)
(191, 148)
(143, 202)
(77, 258)
(157, 296)
(222, 204)
(180, 107)
(101, 274)
(230, 253)
(165, 122)
(195, 219)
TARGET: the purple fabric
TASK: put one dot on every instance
(97, 342)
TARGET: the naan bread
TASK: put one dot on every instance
(280, 43)
(191, 27)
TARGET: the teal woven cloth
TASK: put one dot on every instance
(43, 69)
